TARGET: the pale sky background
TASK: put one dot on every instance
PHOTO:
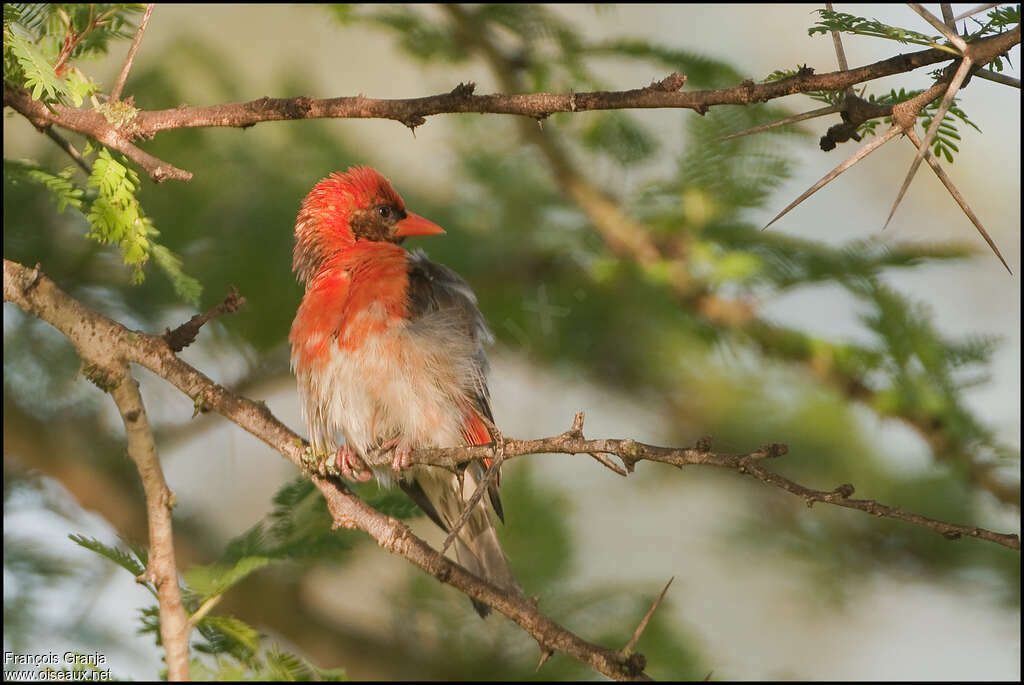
(900, 627)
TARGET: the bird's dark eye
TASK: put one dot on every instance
(385, 212)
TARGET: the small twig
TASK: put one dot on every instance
(489, 477)
(975, 10)
(933, 130)
(950, 34)
(66, 145)
(115, 94)
(947, 16)
(955, 194)
(647, 617)
(91, 123)
(185, 334)
(863, 152)
(609, 463)
(990, 75)
(831, 109)
(837, 42)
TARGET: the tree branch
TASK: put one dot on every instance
(412, 111)
(66, 145)
(631, 452)
(107, 342)
(626, 237)
(161, 569)
(91, 123)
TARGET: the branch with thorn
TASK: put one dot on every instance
(413, 112)
(629, 238)
(106, 342)
(904, 116)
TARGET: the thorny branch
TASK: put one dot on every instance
(413, 111)
(106, 343)
(627, 237)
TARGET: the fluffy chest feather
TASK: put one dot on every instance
(369, 371)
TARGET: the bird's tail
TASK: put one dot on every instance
(476, 544)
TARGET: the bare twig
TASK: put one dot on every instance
(837, 42)
(997, 77)
(631, 452)
(204, 609)
(947, 16)
(161, 570)
(955, 194)
(66, 145)
(115, 94)
(609, 463)
(646, 619)
(91, 123)
(950, 34)
(490, 476)
(831, 109)
(185, 334)
(975, 10)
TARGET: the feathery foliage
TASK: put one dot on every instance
(519, 239)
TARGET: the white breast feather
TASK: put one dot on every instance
(405, 382)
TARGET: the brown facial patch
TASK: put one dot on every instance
(373, 224)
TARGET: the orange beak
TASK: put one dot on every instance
(414, 224)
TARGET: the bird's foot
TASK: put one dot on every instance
(402, 458)
(352, 466)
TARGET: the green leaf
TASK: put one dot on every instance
(230, 635)
(214, 579)
(37, 72)
(79, 86)
(615, 133)
(848, 23)
(117, 218)
(126, 561)
(187, 288)
(64, 191)
(389, 501)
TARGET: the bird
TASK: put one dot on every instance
(388, 350)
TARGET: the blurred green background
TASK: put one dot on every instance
(887, 360)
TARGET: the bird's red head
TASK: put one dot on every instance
(348, 207)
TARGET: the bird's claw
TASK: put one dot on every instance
(352, 466)
(402, 458)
